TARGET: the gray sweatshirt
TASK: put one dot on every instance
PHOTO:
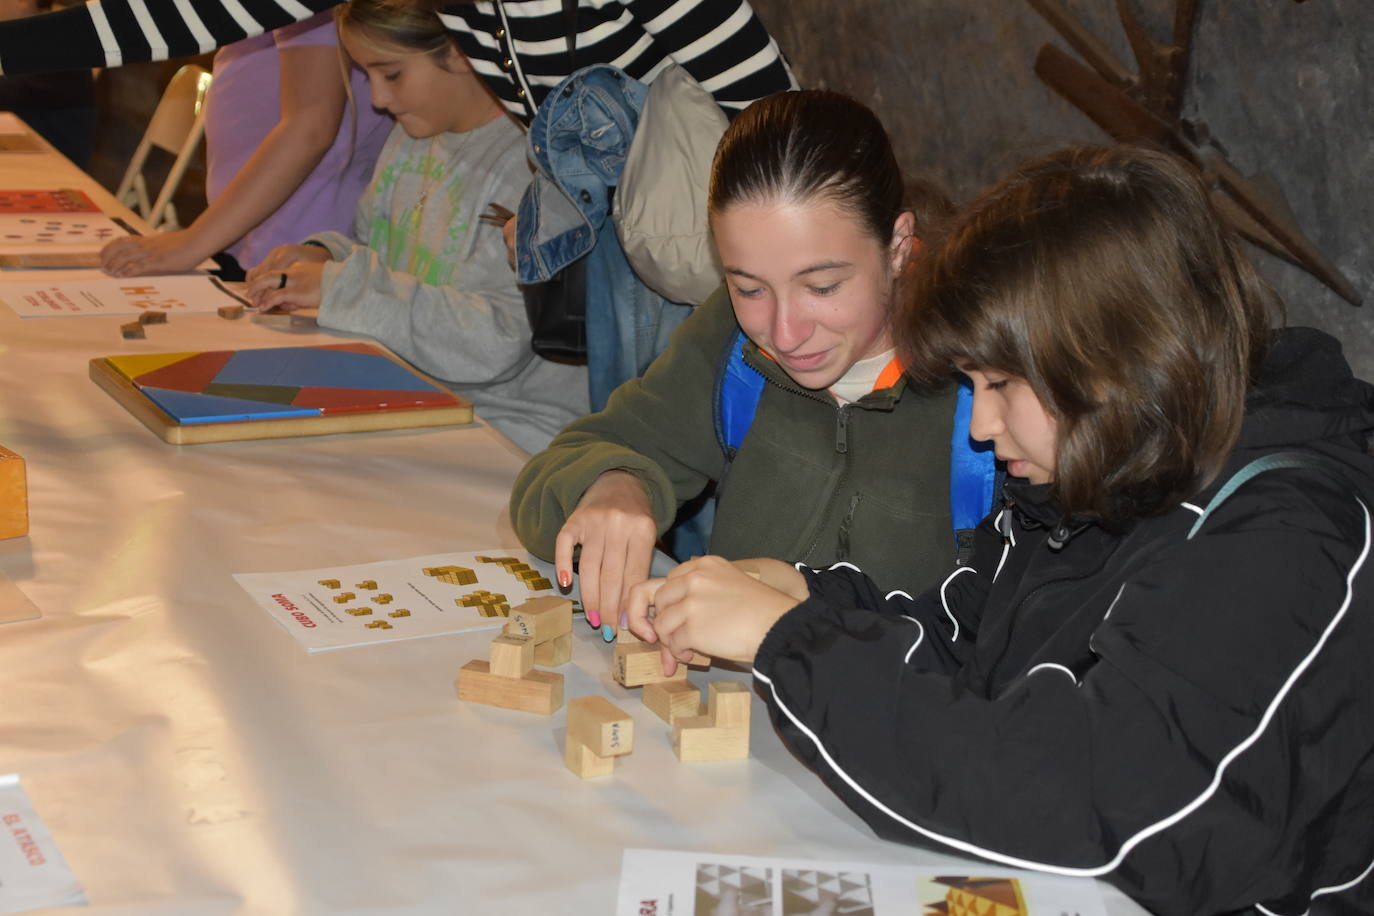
(430, 280)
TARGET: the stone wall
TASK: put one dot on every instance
(1286, 87)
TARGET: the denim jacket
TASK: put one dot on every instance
(579, 140)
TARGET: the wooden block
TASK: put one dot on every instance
(132, 331)
(627, 637)
(580, 759)
(672, 700)
(601, 726)
(696, 741)
(152, 318)
(728, 704)
(511, 656)
(634, 664)
(330, 583)
(539, 692)
(541, 618)
(230, 312)
(555, 652)
(721, 734)
(14, 495)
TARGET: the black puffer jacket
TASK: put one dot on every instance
(1188, 717)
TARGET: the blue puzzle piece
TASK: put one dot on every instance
(314, 367)
(189, 408)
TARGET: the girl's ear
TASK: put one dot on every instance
(903, 241)
(455, 61)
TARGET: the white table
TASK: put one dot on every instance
(192, 760)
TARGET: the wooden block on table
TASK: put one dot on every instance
(511, 656)
(580, 759)
(721, 734)
(542, 619)
(555, 652)
(601, 726)
(539, 692)
(672, 700)
(728, 704)
(14, 495)
(132, 331)
(230, 312)
(634, 664)
(627, 637)
(152, 318)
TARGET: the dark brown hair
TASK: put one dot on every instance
(1104, 277)
(799, 146)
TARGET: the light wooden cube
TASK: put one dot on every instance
(543, 619)
(671, 700)
(580, 759)
(511, 656)
(634, 664)
(601, 725)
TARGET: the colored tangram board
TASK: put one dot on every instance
(219, 395)
(62, 200)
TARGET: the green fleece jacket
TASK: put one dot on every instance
(813, 481)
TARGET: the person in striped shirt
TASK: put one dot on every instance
(518, 47)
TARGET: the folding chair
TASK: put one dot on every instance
(177, 125)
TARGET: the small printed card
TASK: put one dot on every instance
(659, 883)
(93, 293)
(33, 873)
(342, 606)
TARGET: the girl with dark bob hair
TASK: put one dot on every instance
(1155, 668)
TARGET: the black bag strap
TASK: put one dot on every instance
(570, 32)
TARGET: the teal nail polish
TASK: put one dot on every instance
(608, 632)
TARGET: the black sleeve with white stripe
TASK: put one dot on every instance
(109, 33)
(1204, 763)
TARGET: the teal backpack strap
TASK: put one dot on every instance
(1253, 469)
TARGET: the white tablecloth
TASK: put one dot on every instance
(191, 759)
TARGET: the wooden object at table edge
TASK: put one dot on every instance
(169, 430)
(14, 495)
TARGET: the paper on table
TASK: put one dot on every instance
(93, 293)
(659, 883)
(33, 873)
(337, 607)
(29, 233)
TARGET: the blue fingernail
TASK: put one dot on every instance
(608, 632)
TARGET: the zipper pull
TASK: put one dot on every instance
(842, 430)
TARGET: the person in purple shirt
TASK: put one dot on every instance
(288, 153)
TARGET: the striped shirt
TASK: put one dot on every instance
(519, 47)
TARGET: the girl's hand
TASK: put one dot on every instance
(288, 289)
(708, 605)
(614, 524)
(141, 255)
(283, 256)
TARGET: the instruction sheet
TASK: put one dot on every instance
(33, 873)
(336, 607)
(660, 883)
